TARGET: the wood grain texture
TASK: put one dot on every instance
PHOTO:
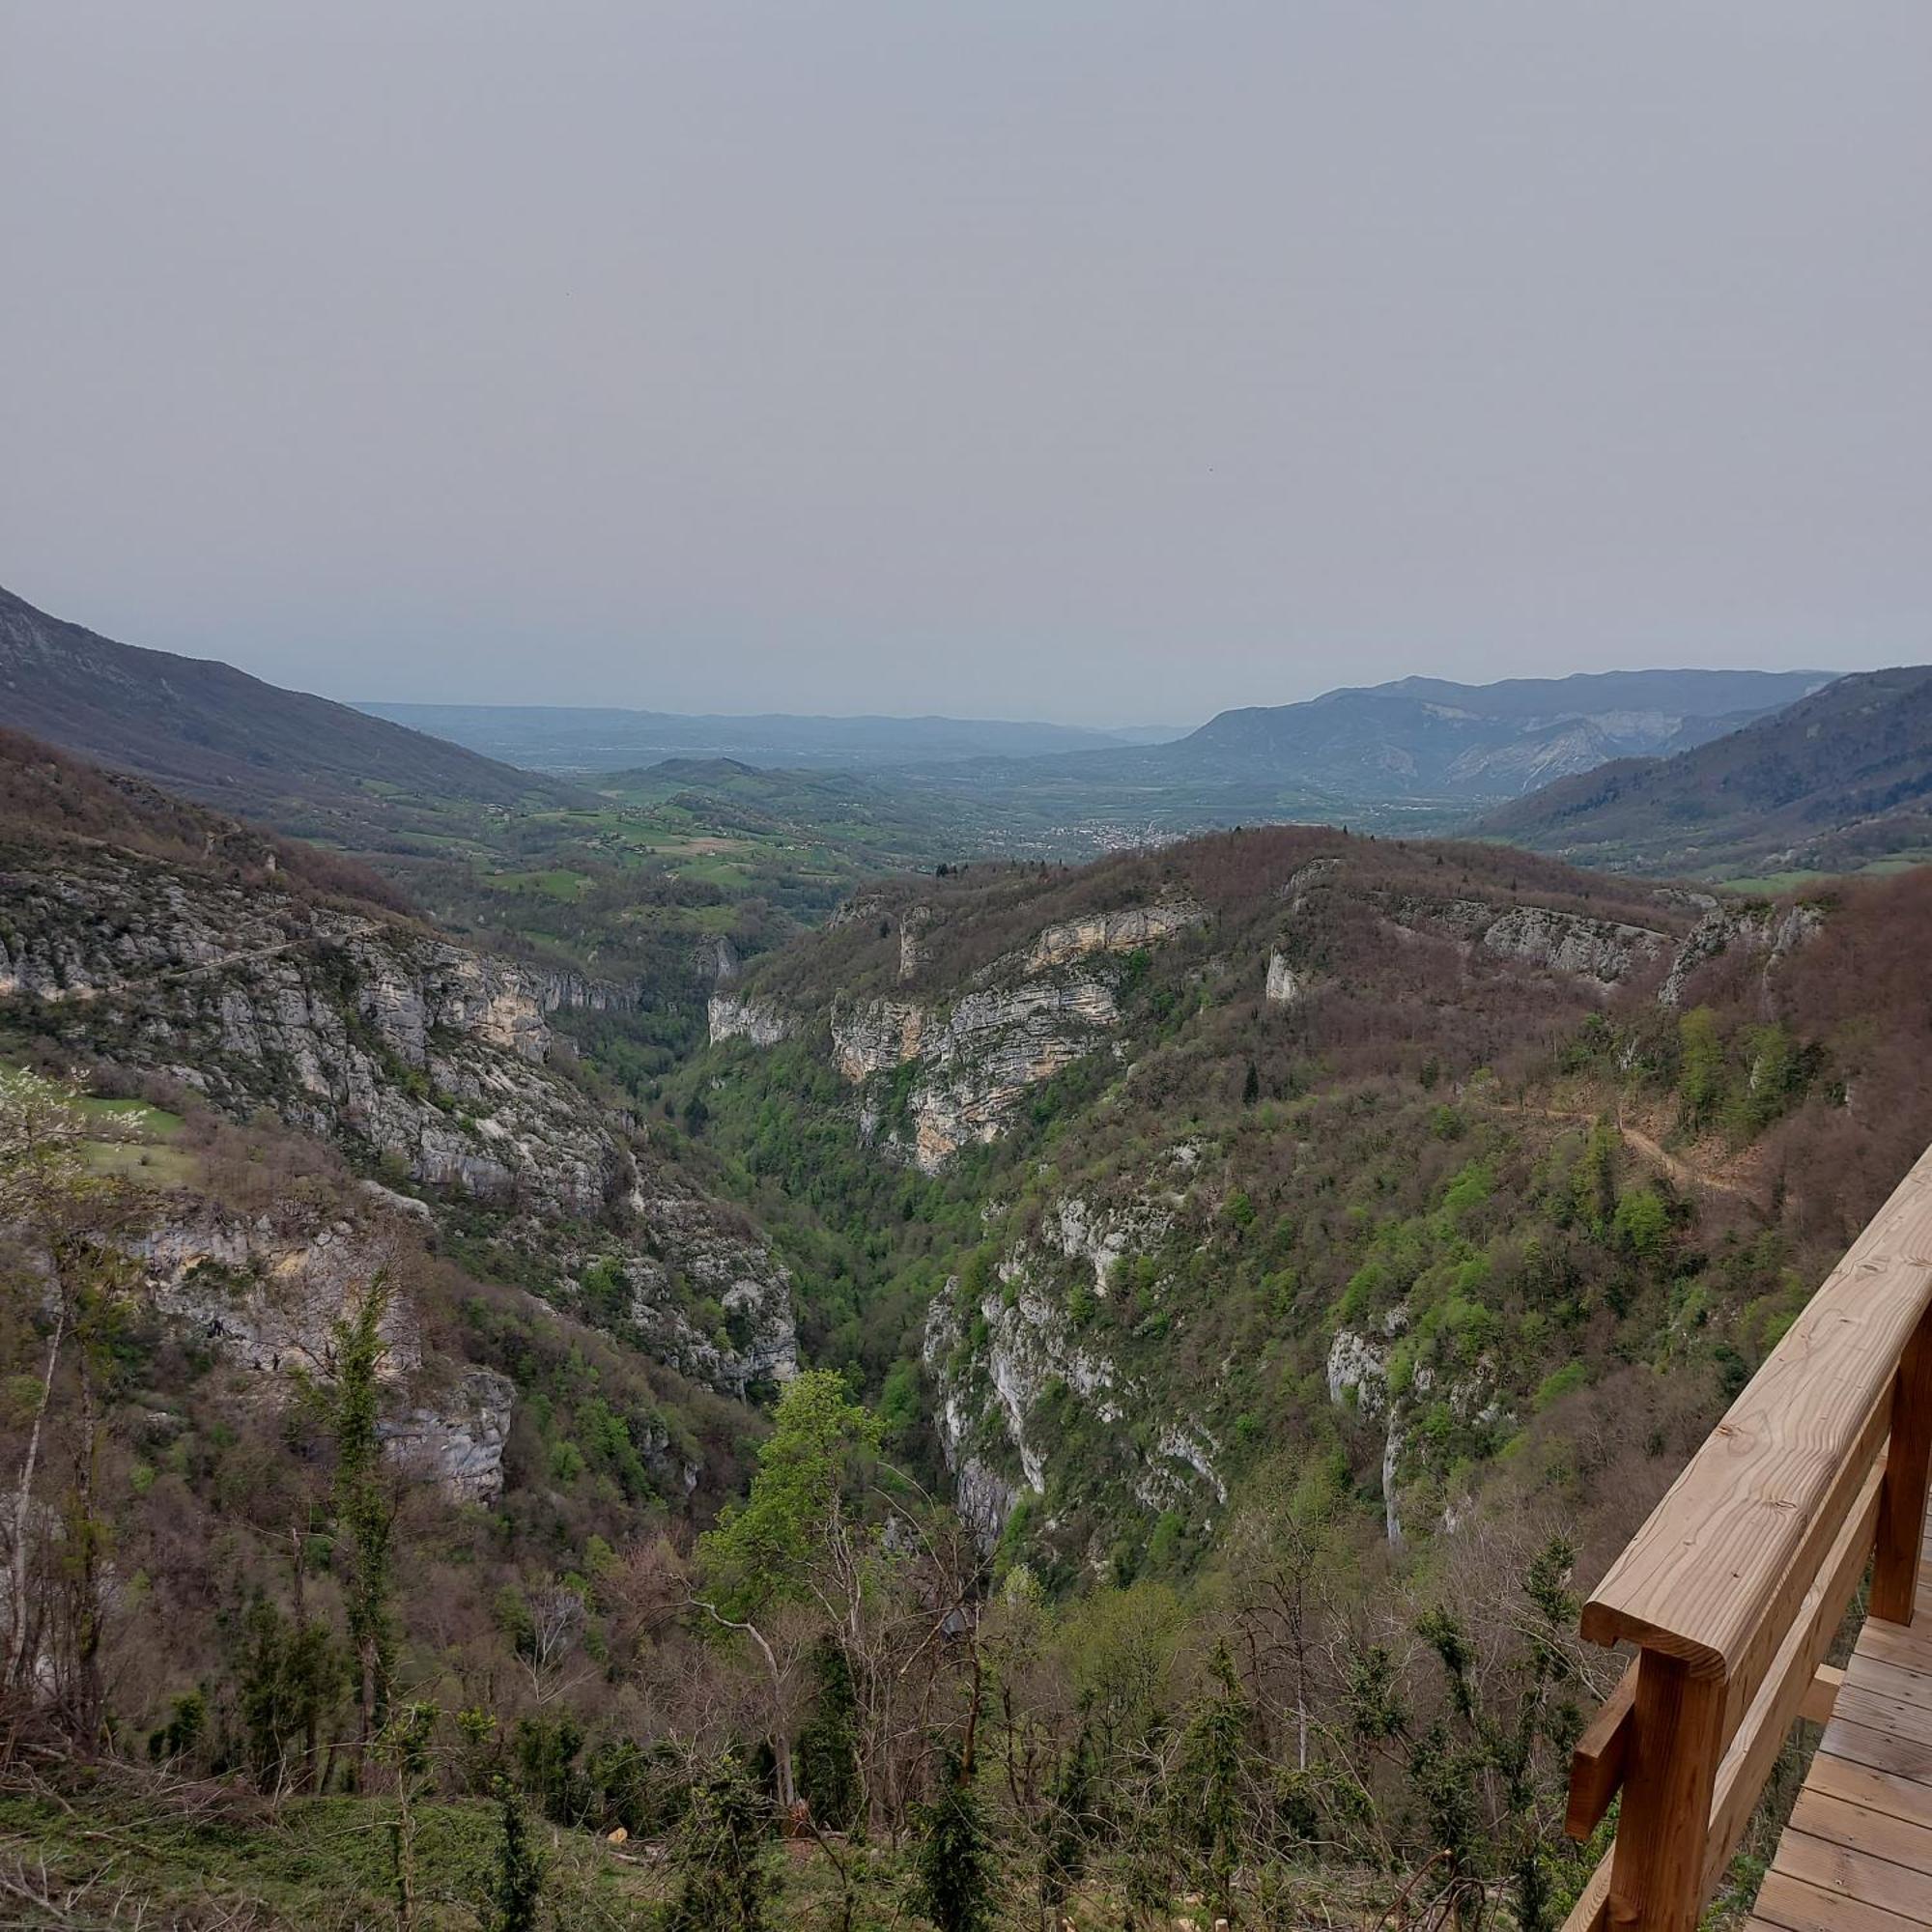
(1765, 1726)
(1597, 1765)
(1657, 1869)
(1789, 1905)
(1901, 1522)
(1822, 1696)
(1697, 1581)
(1853, 1875)
(1592, 1902)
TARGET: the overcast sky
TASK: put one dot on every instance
(1105, 361)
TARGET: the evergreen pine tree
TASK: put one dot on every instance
(828, 1755)
(516, 1879)
(955, 1854)
(1063, 1856)
(724, 1885)
(1211, 1761)
(364, 1509)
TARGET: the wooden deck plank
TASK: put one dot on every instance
(1849, 1874)
(1876, 1790)
(1790, 1905)
(1840, 1822)
(1857, 1856)
(1881, 1749)
(1871, 1672)
(1877, 1712)
(1909, 1649)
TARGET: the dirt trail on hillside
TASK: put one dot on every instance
(1678, 1169)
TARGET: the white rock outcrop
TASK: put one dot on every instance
(1283, 986)
(763, 1022)
(1772, 930)
(1122, 931)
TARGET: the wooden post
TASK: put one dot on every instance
(1901, 1510)
(1656, 1883)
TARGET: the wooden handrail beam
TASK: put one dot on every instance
(1788, 1685)
(1726, 1543)
(1856, 1482)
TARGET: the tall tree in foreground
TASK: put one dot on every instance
(955, 1854)
(365, 1508)
(67, 1213)
(724, 1887)
(763, 1551)
(516, 1875)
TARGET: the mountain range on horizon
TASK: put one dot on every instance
(1419, 750)
(1413, 737)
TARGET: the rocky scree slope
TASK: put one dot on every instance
(517, 1441)
(431, 1064)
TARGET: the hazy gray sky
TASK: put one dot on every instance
(1100, 361)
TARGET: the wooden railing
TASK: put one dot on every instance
(1734, 1589)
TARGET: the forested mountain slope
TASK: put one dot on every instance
(1413, 1155)
(1210, 1311)
(206, 729)
(1416, 753)
(157, 939)
(1836, 781)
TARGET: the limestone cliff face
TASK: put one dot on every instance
(394, 1044)
(1017, 1377)
(1360, 1379)
(993, 1046)
(1599, 951)
(1767, 930)
(1121, 931)
(267, 1296)
(1024, 1018)
(1284, 985)
(876, 1036)
(352, 1028)
(916, 949)
(695, 1258)
(760, 1021)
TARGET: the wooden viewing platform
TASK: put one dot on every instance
(1732, 1594)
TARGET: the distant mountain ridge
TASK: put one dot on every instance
(1837, 779)
(582, 739)
(1428, 737)
(202, 728)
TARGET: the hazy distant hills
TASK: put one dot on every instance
(596, 738)
(1426, 738)
(1417, 755)
(1651, 769)
(216, 734)
(1837, 780)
